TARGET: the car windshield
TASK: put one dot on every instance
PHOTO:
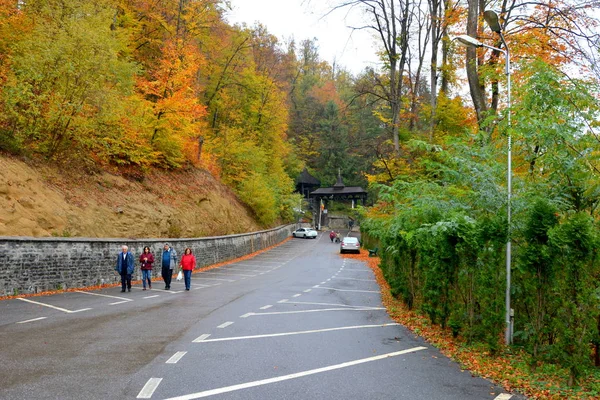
(350, 240)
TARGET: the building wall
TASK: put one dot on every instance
(33, 265)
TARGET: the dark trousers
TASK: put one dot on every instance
(167, 274)
(125, 281)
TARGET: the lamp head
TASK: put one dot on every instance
(467, 41)
(492, 20)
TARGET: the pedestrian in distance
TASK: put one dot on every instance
(146, 259)
(188, 264)
(125, 266)
(332, 235)
(169, 261)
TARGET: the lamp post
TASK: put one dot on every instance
(467, 41)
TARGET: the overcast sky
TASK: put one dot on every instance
(305, 19)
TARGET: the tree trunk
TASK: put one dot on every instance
(476, 87)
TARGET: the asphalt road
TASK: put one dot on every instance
(296, 322)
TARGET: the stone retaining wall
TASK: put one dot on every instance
(32, 265)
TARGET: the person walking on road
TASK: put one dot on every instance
(332, 235)
(146, 258)
(188, 264)
(169, 261)
(125, 266)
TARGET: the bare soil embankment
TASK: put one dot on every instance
(39, 199)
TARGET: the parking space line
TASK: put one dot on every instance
(31, 320)
(118, 302)
(225, 273)
(244, 269)
(307, 290)
(51, 306)
(335, 305)
(103, 295)
(203, 338)
(149, 388)
(151, 297)
(297, 295)
(176, 357)
(251, 265)
(315, 310)
(350, 290)
(247, 385)
(225, 324)
(283, 301)
(355, 279)
(246, 315)
(217, 279)
(266, 307)
(503, 396)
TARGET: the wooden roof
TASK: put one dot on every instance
(307, 179)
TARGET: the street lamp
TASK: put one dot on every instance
(467, 41)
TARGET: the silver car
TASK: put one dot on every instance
(306, 233)
(350, 244)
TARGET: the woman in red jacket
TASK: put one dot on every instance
(188, 264)
(146, 259)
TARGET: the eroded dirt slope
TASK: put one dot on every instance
(42, 200)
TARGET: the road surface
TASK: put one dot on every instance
(296, 322)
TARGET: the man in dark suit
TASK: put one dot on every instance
(125, 267)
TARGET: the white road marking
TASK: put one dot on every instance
(267, 261)
(336, 305)
(343, 328)
(247, 385)
(118, 302)
(246, 315)
(54, 307)
(201, 338)
(250, 265)
(217, 279)
(244, 269)
(313, 311)
(349, 290)
(359, 270)
(151, 297)
(104, 295)
(283, 301)
(503, 396)
(225, 324)
(316, 286)
(266, 307)
(355, 279)
(322, 283)
(307, 290)
(297, 295)
(225, 273)
(31, 320)
(149, 388)
(176, 357)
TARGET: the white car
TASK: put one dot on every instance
(350, 244)
(306, 233)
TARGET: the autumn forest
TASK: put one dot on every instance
(130, 86)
